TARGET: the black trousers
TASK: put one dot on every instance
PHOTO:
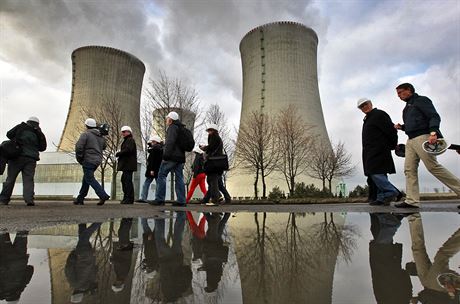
(27, 166)
(127, 186)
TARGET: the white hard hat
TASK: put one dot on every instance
(76, 298)
(439, 147)
(126, 128)
(155, 138)
(33, 118)
(362, 100)
(212, 127)
(117, 289)
(173, 115)
(90, 122)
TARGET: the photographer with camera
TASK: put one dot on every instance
(88, 150)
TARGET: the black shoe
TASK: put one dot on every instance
(77, 202)
(226, 201)
(4, 203)
(141, 201)
(405, 205)
(399, 196)
(177, 204)
(127, 202)
(378, 203)
(156, 203)
(125, 247)
(30, 204)
(102, 201)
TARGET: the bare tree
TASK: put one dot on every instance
(319, 161)
(257, 151)
(294, 137)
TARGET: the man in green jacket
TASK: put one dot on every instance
(32, 141)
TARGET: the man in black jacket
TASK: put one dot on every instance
(88, 150)
(173, 161)
(379, 137)
(421, 123)
(155, 150)
(127, 164)
(32, 141)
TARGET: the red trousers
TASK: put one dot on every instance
(200, 180)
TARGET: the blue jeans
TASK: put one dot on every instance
(90, 180)
(145, 188)
(165, 168)
(385, 189)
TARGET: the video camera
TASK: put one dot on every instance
(104, 129)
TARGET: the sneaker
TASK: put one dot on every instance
(77, 202)
(227, 201)
(102, 200)
(210, 203)
(156, 203)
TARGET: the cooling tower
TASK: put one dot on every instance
(103, 78)
(279, 69)
(185, 116)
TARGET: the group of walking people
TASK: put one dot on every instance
(163, 158)
(421, 123)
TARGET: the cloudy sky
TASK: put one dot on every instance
(366, 48)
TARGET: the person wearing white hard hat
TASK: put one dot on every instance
(155, 156)
(127, 164)
(199, 177)
(173, 161)
(89, 153)
(421, 124)
(379, 137)
(31, 141)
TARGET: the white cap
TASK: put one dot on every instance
(173, 115)
(213, 127)
(33, 118)
(90, 122)
(117, 289)
(126, 128)
(362, 100)
(76, 298)
(155, 138)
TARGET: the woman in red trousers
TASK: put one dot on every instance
(199, 177)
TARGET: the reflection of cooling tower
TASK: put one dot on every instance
(103, 76)
(279, 69)
(159, 127)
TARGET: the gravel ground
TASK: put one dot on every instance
(16, 216)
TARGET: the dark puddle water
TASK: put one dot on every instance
(189, 257)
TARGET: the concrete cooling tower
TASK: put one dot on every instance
(159, 127)
(103, 77)
(279, 69)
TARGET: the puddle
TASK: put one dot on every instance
(190, 257)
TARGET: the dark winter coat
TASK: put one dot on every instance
(90, 146)
(215, 145)
(197, 166)
(172, 151)
(154, 160)
(420, 117)
(30, 137)
(379, 137)
(127, 156)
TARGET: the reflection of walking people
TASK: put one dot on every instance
(173, 161)
(122, 254)
(81, 267)
(391, 283)
(421, 123)
(175, 276)
(428, 271)
(15, 274)
(155, 151)
(150, 263)
(379, 137)
(127, 163)
(32, 141)
(199, 177)
(88, 150)
(215, 147)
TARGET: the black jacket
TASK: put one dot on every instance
(172, 151)
(215, 145)
(154, 160)
(379, 137)
(30, 137)
(197, 166)
(420, 117)
(127, 156)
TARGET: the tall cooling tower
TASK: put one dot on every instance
(102, 76)
(279, 69)
(185, 116)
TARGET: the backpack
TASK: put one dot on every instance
(185, 140)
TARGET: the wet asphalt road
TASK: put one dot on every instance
(17, 216)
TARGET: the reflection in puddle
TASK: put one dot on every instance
(189, 257)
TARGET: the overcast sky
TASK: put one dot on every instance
(365, 49)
